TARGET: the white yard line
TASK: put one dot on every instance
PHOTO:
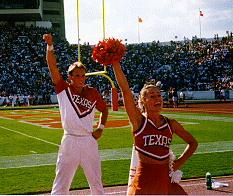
(204, 118)
(33, 160)
(26, 135)
(25, 166)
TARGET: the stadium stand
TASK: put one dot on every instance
(187, 65)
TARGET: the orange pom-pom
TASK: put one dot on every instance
(108, 51)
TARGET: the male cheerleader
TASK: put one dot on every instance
(77, 104)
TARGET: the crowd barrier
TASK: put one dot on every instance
(189, 95)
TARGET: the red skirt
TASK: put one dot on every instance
(153, 179)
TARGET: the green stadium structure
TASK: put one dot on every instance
(46, 13)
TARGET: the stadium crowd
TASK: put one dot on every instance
(196, 64)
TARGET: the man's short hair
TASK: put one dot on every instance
(75, 65)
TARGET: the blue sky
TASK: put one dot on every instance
(162, 19)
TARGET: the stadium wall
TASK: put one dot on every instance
(190, 95)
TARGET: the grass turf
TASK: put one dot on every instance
(34, 180)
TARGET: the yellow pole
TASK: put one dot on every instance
(78, 16)
(101, 73)
(104, 27)
(103, 7)
(104, 73)
(114, 100)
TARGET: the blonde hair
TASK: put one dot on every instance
(75, 65)
(143, 93)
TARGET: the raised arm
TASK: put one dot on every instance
(133, 112)
(51, 59)
(189, 139)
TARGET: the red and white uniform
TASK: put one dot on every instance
(151, 141)
(78, 147)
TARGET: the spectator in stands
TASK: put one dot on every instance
(222, 94)
(182, 98)
(170, 101)
(174, 98)
(192, 65)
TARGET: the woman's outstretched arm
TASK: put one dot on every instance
(133, 112)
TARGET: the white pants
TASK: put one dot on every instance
(74, 152)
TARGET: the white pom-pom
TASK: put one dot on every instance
(176, 176)
(172, 156)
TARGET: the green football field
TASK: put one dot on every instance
(29, 141)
